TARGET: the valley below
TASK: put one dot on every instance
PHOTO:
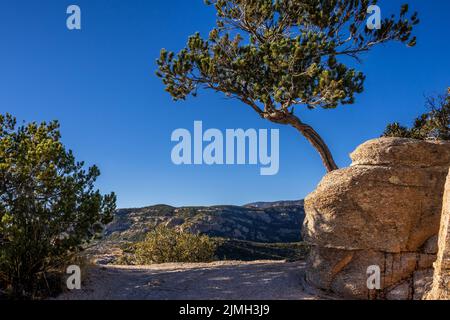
(256, 231)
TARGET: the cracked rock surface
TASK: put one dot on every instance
(384, 210)
(441, 282)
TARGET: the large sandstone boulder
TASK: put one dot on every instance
(441, 281)
(382, 211)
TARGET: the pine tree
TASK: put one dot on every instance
(274, 55)
(432, 125)
(49, 207)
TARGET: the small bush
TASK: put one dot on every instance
(163, 245)
(431, 125)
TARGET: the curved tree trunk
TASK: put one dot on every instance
(316, 140)
(283, 117)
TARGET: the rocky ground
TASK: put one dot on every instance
(257, 280)
(259, 231)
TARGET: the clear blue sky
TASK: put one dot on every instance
(99, 83)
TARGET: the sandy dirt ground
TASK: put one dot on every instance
(257, 280)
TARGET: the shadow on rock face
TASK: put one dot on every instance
(384, 210)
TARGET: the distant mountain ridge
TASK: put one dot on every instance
(265, 205)
(268, 222)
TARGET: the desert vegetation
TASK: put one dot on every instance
(163, 245)
(434, 124)
(49, 208)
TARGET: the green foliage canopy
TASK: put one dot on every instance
(274, 55)
(434, 124)
(281, 52)
(48, 204)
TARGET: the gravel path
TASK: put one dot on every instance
(257, 280)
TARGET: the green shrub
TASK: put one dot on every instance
(163, 245)
(431, 125)
(49, 207)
